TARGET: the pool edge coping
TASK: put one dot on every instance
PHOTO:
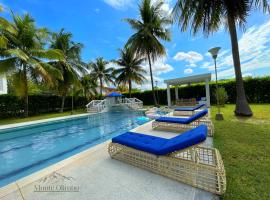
(40, 121)
(31, 178)
(20, 183)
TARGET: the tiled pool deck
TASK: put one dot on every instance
(94, 175)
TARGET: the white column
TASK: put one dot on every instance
(176, 93)
(169, 95)
(207, 91)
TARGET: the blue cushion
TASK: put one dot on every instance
(180, 120)
(162, 146)
(189, 108)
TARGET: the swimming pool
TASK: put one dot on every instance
(25, 150)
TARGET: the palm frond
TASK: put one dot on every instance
(51, 54)
(7, 65)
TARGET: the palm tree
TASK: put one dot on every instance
(100, 71)
(130, 69)
(209, 16)
(89, 86)
(71, 66)
(151, 27)
(23, 55)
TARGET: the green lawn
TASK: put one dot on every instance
(38, 117)
(244, 144)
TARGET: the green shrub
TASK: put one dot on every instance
(257, 91)
(221, 96)
(12, 106)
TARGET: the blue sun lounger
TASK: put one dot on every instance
(180, 123)
(186, 111)
(180, 158)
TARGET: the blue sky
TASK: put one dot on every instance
(98, 24)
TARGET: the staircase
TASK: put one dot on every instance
(96, 106)
(133, 103)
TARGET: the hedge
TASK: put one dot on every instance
(257, 91)
(12, 106)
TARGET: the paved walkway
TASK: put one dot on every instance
(96, 176)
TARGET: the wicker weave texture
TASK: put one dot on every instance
(197, 166)
(176, 127)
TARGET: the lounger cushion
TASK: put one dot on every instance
(162, 146)
(189, 108)
(180, 120)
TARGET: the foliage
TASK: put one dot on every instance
(257, 91)
(71, 66)
(149, 29)
(122, 88)
(100, 71)
(24, 54)
(130, 70)
(221, 96)
(12, 106)
(88, 87)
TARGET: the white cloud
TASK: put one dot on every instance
(254, 48)
(166, 7)
(119, 4)
(188, 71)
(147, 83)
(159, 67)
(191, 57)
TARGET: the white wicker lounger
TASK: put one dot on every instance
(187, 112)
(197, 166)
(182, 127)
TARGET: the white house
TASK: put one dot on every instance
(3, 84)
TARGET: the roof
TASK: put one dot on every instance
(114, 94)
(189, 79)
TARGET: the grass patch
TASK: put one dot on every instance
(244, 144)
(39, 117)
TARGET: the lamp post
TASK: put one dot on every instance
(214, 52)
(157, 92)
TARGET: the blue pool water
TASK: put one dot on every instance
(28, 149)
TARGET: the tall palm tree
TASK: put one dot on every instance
(101, 72)
(130, 68)
(209, 16)
(71, 66)
(23, 55)
(150, 28)
(89, 86)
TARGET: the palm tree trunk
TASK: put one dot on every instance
(101, 86)
(152, 82)
(129, 88)
(63, 103)
(26, 112)
(242, 108)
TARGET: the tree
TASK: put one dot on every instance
(71, 66)
(130, 68)
(100, 71)
(209, 16)
(23, 54)
(89, 86)
(149, 29)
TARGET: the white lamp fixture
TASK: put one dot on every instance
(214, 52)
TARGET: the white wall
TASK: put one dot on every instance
(3, 84)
